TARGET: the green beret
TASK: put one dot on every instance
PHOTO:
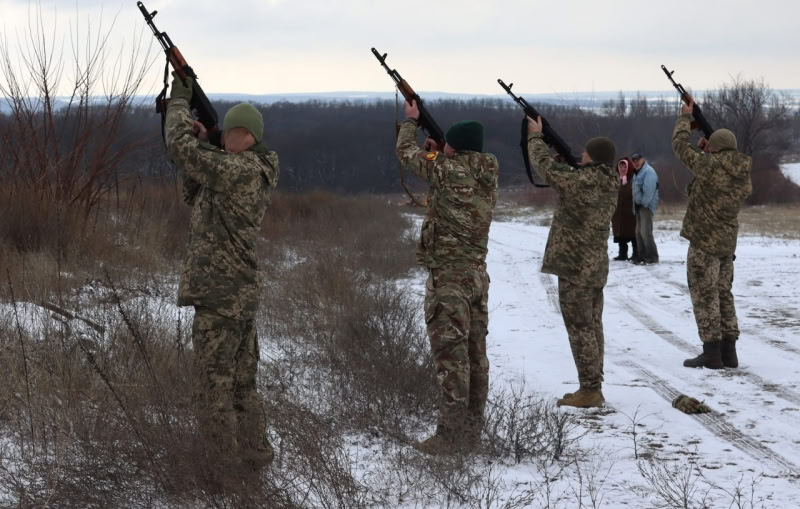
(466, 135)
(602, 150)
(723, 139)
(247, 116)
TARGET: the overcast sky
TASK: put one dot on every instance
(282, 46)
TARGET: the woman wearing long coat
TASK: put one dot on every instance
(623, 223)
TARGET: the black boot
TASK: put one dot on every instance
(711, 357)
(728, 350)
(623, 252)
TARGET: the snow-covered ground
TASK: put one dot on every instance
(792, 172)
(753, 433)
(649, 331)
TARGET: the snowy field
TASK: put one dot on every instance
(751, 440)
(792, 172)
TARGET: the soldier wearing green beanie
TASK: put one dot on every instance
(722, 183)
(229, 191)
(453, 247)
(246, 116)
(465, 135)
(577, 251)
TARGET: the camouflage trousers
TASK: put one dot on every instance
(457, 317)
(582, 310)
(710, 281)
(230, 411)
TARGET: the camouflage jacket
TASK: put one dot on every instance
(722, 183)
(462, 196)
(577, 247)
(229, 194)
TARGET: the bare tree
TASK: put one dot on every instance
(758, 115)
(68, 104)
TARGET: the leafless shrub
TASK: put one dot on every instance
(64, 137)
(635, 423)
(741, 493)
(523, 426)
(592, 473)
(673, 484)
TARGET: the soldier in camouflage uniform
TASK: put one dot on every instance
(577, 251)
(722, 183)
(229, 193)
(453, 246)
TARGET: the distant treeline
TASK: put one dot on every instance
(348, 147)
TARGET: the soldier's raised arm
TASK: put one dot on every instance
(554, 173)
(689, 155)
(201, 161)
(416, 160)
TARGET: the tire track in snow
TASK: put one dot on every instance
(713, 422)
(653, 326)
(750, 332)
(546, 280)
(552, 291)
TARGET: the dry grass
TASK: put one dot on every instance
(779, 221)
(96, 410)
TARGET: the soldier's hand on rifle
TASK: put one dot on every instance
(411, 110)
(430, 145)
(688, 108)
(179, 90)
(534, 126)
(200, 130)
(702, 144)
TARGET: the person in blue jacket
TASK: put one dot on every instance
(645, 203)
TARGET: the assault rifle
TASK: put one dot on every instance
(426, 121)
(550, 137)
(700, 121)
(199, 102)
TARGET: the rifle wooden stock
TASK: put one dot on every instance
(406, 91)
(177, 62)
(199, 102)
(425, 121)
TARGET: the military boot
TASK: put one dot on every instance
(584, 398)
(728, 353)
(711, 357)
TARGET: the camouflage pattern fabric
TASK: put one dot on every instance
(710, 281)
(457, 317)
(191, 188)
(229, 194)
(453, 245)
(225, 360)
(463, 193)
(582, 310)
(689, 405)
(577, 246)
(722, 183)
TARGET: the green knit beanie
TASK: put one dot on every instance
(466, 135)
(723, 139)
(602, 150)
(247, 116)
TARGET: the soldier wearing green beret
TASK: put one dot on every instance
(453, 247)
(722, 183)
(577, 251)
(228, 190)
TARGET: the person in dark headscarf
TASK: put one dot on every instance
(623, 223)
